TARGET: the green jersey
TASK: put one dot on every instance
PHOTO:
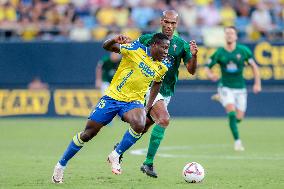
(179, 49)
(232, 65)
(109, 68)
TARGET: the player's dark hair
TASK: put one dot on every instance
(231, 27)
(159, 37)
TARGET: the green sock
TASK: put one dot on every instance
(156, 137)
(233, 124)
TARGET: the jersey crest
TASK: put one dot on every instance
(174, 46)
(239, 56)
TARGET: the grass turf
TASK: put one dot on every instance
(29, 149)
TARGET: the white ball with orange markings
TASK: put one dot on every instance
(193, 172)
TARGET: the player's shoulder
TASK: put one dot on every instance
(105, 58)
(244, 49)
(136, 47)
(219, 51)
(242, 46)
(178, 39)
(133, 45)
(146, 38)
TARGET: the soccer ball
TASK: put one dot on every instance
(193, 172)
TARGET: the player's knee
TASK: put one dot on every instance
(146, 128)
(164, 121)
(86, 136)
(138, 125)
(139, 128)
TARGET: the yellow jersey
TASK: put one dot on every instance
(135, 73)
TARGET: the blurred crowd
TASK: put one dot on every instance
(86, 20)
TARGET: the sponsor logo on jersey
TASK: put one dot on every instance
(146, 70)
(124, 81)
(232, 67)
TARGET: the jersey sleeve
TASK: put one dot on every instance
(160, 76)
(186, 53)
(125, 48)
(213, 59)
(145, 39)
(248, 54)
(102, 61)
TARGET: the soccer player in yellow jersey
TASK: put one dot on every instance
(139, 67)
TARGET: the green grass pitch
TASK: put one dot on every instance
(29, 149)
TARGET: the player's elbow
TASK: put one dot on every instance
(105, 46)
(191, 70)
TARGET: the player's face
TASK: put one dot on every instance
(230, 35)
(160, 50)
(169, 23)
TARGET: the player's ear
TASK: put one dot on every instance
(161, 21)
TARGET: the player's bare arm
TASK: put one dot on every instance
(99, 76)
(153, 93)
(113, 44)
(192, 63)
(257, 81)
(211, 75)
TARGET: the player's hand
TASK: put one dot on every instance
(256, 88)
(213, 77)
(193, 47)
(122, 39)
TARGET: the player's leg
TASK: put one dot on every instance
(227, 98)
(160, 115)
(134, 114)
(91, 130)
(101, 116)
(241, 105)
(240, 115)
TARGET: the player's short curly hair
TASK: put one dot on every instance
(158, 37)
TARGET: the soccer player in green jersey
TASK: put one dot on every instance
(232, 89)
(105, 70)
(179, 50)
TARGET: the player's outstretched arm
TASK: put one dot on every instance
(153, 94)
(257, 81)
(113, 44)
(99, 76)
(192, 63)
(211, 75)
